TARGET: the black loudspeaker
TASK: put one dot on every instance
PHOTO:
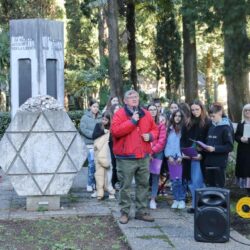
(212, 215)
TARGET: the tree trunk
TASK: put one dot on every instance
(102, 32)
(237, 83)
(236, 52)
(130, 26)
(209, 79)
(114, 54)
(190, 63)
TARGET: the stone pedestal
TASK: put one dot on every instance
(42, 203)
(41, 152)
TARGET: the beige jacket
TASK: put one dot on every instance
(102, 151)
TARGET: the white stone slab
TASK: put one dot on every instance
(66, 138)
(17, 167)
(43, 181)
(7, 153)
(77, 153)
(42, 153)
(60, 121)
(60, 184)
(43, 162)
(42, 124)
(67, 166)
(24, 185)
(17, 139)
(22, 122)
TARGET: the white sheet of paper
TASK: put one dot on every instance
(246, 132)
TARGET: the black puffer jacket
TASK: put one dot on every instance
(220, 137)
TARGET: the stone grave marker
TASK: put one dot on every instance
(37, 60)
(41, 152)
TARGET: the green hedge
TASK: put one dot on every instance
(4, 122)
(76, 116)
(5, 118)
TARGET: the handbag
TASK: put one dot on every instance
(175, 170)
(155, 166)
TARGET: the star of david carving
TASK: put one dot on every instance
(42, 152)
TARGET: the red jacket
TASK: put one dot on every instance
(127, 134)
(158, 145)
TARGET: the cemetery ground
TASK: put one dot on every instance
(62, 233)
(85, 223)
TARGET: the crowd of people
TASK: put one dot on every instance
(133, 142)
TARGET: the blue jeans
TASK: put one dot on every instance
(178, 190)
(91, 168)
(196, 179)
(155, 183)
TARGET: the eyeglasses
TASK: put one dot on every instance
(177, 116)
(152, 110)
(247, 110)
(133, 97)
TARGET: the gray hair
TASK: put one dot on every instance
(129, 93)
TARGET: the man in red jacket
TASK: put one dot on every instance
(133, 129)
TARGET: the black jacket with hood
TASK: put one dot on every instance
(220, 137)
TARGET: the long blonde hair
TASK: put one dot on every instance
(247, 106)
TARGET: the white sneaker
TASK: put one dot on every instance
(175, 204)
(111, 197)
(117, 186)
(89, 188)
(94, 195)
(181, 205)
(152, 204)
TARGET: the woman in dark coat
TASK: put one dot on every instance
(242, 170)
(196, 129)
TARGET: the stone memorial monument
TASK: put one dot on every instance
(37, 60)
(41, 152)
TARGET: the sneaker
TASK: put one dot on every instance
(175, 204)
(124, 218)
(181, 205)
(152, 204)
(89, 188)
(117, 186)
(144, 216)
(94, 195)
(112, 197)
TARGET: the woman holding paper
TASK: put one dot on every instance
(242, 136)
(196, 128)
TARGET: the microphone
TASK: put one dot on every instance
(135, 109)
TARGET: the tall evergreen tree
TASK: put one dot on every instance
(168, 47)
(189, 51)
(233, 17)
(115, 76)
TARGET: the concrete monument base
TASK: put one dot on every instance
(41, 203)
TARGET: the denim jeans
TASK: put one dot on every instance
(196, 179)
(178, 190)
(155, 184)
(91, 168)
